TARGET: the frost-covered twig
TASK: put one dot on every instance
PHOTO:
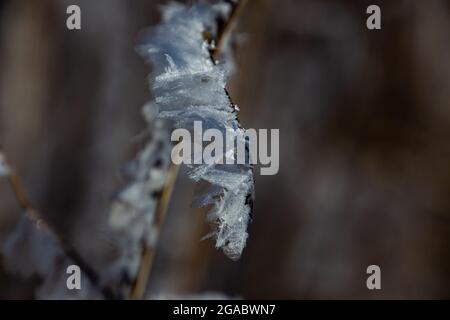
(189, 87)
(189, 84)
(185, 77)
(22, 200)
(47, 247)
(133, 213)
(138, 290)
(225, 29)
(148, 255)
(4, 168)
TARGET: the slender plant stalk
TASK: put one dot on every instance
(226, 28)
(148, 253)
(70, 252)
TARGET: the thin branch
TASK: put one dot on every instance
(33, 214)
(226, 28)
(148, 253)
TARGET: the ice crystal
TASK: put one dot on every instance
(4, 169)
(31, 251)
(132, 212)
(188, 86)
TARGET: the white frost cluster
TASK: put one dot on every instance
(4, 169)
(31, 251)
(189, 87)
(132, 213)
(209, 295)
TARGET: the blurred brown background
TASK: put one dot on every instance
(364, 119)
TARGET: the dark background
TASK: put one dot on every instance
(364, 119)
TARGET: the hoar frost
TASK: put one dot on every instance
(132, 213)
(31, 251)
(188, 86)
(4, 169)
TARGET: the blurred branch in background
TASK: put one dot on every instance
(31, 213)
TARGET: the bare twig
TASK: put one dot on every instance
(226, 27)
(148, 253)
(33, 214)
